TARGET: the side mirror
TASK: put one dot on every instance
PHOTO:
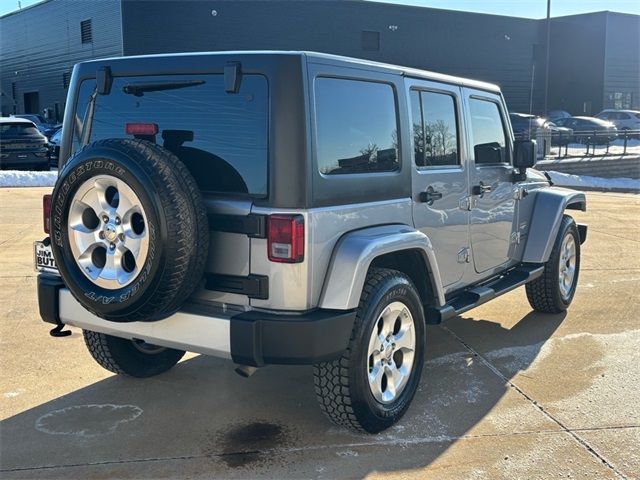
(524, 154)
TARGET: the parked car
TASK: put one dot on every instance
(622, 119)
(39, 121)
(287, 208)
(560, 135)
(554, 115)
(22, 146)
(54, 148)
(51, 130)
(589, 130)
(525, 126)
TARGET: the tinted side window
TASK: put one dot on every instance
(356, 127)
(435, 130)
(221, 137)
(489, 140)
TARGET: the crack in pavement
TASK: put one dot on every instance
(616, 236)
(281, 451)
(564, 428)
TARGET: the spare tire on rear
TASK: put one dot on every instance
(129, 230)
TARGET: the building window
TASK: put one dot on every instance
(66, 77)
(86, 32)
(435, 129)
(356, 127)
(620, 100)
(370, 41)
(14, 97)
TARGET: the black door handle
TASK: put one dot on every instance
(481, 189)
(429, 196)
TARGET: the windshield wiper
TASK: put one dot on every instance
(138, 89)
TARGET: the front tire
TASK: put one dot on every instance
(553, 291)
(371, 385)
(133, 358)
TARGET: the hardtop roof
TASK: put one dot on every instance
(324, 58)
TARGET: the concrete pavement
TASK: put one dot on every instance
(506, 393)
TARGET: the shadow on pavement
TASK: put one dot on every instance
(203, 419)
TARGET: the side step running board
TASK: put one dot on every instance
(476, 296)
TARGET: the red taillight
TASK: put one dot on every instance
(46, 213)
(140, 128)
(285, 238)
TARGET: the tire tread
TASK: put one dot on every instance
(331, 379)
(542, 293)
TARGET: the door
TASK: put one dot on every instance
(32, 102)
(439, 178)
(492, 187)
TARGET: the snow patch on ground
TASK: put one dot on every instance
(568, 180)
(615, 148)
(19, 178)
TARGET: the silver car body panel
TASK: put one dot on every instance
(548, 208)
(298, 286)
(493, 215)
(229, 253)
(445, 221)
(355, 252)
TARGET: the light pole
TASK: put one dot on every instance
(546, 69)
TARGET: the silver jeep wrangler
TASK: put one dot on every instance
(293, 208)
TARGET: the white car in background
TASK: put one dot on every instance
(622, 119)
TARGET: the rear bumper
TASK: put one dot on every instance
(19, 160)
(249, 338)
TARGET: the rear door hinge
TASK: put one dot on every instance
(463, 255)
(519, 193)
(516, 237)
(467, 203)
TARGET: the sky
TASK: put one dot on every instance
(516, 8)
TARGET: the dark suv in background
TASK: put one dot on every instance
(22, 146)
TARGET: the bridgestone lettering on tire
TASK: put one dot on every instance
(172, 220)
(545, 293)
(342, 386)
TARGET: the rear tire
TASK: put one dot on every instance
(553, 291)
(370, 387)
(128, 357)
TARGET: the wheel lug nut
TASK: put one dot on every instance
(112, 246)
(117, 220)
(121, 237)
(101, 235)
(105, 219)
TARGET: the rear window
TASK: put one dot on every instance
(221, 137)
(17, 129)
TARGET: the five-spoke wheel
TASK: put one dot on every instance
(567, 268)
(107, 231)
(391, 351)
(371, 386)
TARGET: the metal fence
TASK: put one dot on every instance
(580, 143)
